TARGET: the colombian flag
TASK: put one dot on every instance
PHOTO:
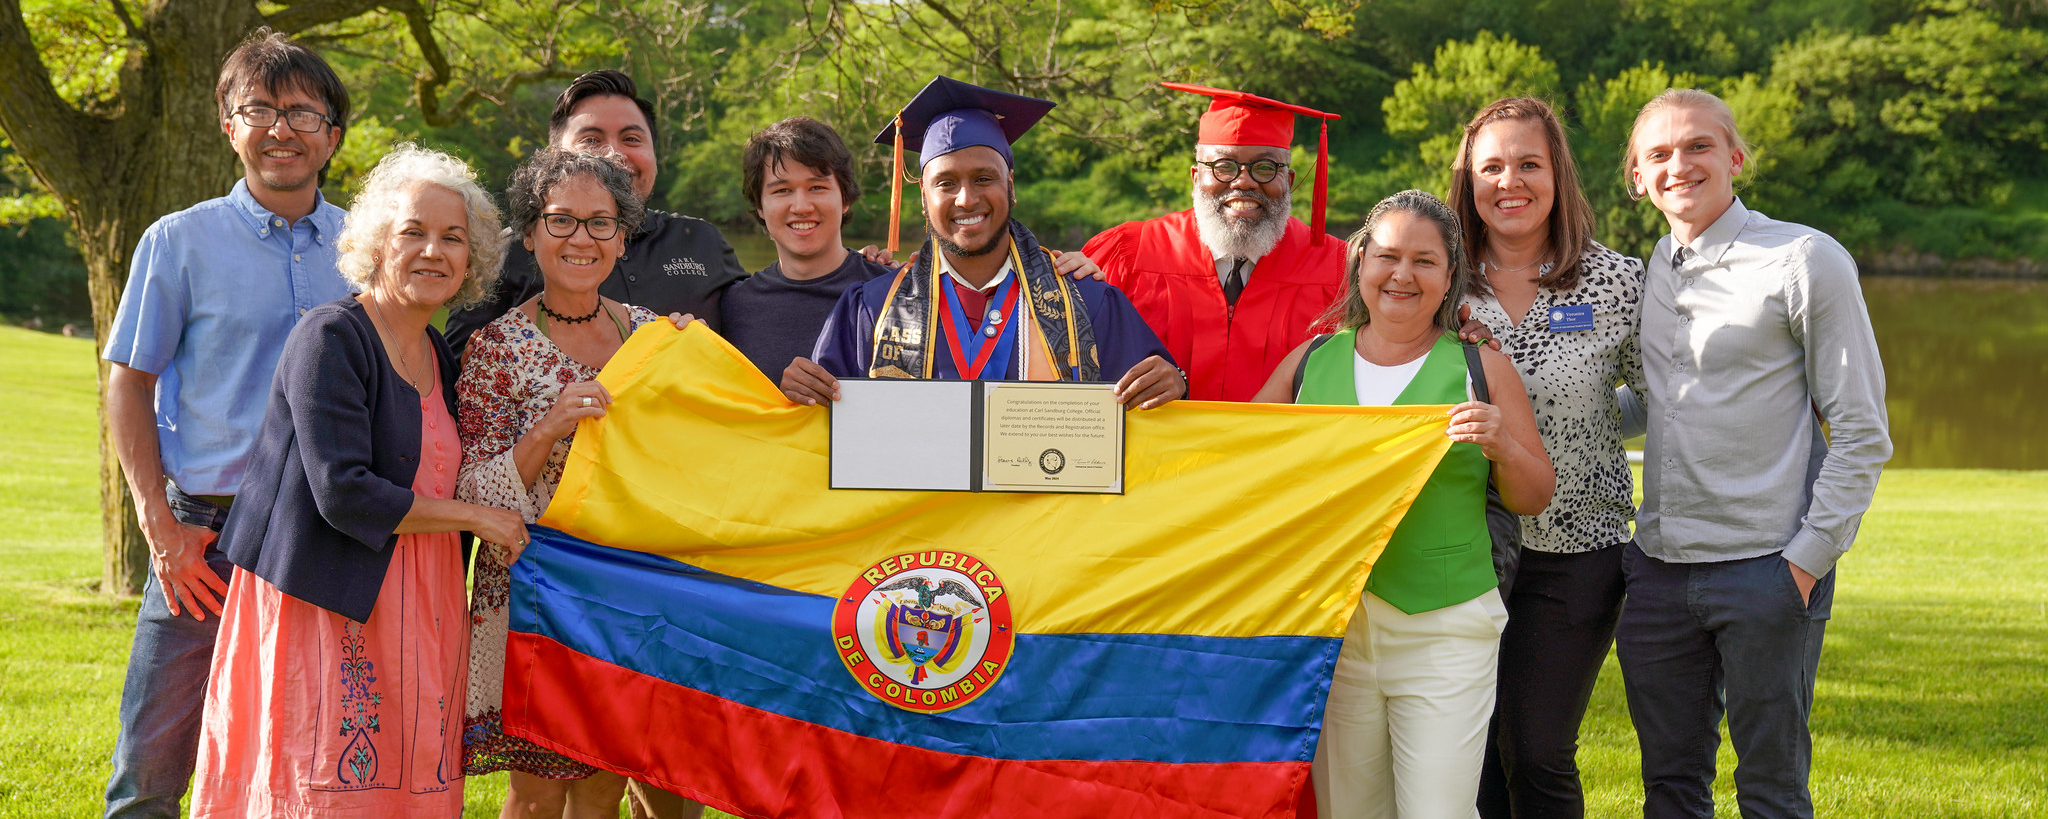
(700, 611)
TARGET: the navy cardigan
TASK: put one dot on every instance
(331, 473)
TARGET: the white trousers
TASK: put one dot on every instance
(1405, 728)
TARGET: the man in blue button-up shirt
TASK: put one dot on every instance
(1753, 332)
(212, 293)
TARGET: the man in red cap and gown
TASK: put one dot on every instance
(1234, 283)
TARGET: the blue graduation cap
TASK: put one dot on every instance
(949, 115)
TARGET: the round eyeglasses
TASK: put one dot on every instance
(1226, 170)
(563, 226)
(264, 116)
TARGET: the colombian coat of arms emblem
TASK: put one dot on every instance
(925, 631)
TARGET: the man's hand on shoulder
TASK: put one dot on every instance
(1073, 263)
(881, 256)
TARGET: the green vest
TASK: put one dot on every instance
(1441, 554)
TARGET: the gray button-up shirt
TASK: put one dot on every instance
(1758, 325)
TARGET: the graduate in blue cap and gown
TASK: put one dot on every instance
(982, 299)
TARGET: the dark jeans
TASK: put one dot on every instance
(1698, 640)
(161, 702)
(1560, 624)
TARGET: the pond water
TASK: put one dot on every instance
(1966, 370)
(1966, 364)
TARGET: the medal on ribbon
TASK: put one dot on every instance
(998, 335)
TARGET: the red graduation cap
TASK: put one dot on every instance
(1238, 118)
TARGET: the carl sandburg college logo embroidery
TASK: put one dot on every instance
(925, 631)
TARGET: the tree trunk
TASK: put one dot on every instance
(157, 147)
(126, 558)
(154, 149)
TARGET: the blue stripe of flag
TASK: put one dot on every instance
(1148, 697)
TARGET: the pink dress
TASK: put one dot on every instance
(311, 715)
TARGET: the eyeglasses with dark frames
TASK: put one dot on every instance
(264, 116)
(1226, 170)
(563, 226)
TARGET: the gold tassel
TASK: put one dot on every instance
(896, 188)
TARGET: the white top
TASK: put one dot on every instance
(1570, 378)
(1378, 386)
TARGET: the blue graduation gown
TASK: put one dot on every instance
(847, 343)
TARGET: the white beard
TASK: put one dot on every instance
(1230, 237)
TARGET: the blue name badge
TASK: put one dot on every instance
(1571, 318)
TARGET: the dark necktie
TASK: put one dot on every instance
(1233, 285)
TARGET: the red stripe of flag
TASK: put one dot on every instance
(756, 763)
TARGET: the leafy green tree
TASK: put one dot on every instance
(1605, 113)
(1945, 108)
(1905, 138)
(112, 110)
(1117, 147)
(1433, 104)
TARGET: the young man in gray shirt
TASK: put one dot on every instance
(1754, 332)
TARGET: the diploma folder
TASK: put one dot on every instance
(977, 436)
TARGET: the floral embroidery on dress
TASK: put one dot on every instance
(441, 767)
(511, 377)
(359, 709)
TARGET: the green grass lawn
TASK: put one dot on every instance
(1933, 696)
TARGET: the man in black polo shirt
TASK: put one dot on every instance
(675, 264)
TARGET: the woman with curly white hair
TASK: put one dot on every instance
(338, 679)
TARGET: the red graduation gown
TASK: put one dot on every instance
(1162, 265)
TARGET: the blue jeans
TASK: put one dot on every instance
(1700, 640)
(161, 702)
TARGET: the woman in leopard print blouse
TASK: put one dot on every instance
(1564, 309)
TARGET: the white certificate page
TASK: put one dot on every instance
(896, 434)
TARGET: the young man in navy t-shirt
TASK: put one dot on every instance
(799, 178)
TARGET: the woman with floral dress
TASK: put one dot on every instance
(529, 377)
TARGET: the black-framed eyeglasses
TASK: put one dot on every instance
(264, 116)
(563, 226)
(1226, 170)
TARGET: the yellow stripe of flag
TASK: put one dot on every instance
(1238, 520)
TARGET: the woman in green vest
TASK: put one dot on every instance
(1405, 729)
